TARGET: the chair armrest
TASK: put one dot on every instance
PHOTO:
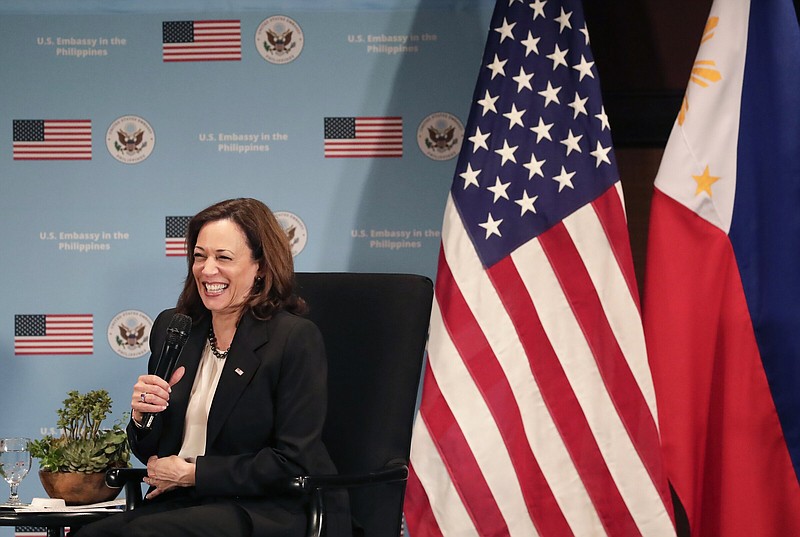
(131, 479)
(391, 473)
(314, 485)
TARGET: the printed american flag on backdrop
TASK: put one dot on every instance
(53, 334)
(199, 41)
(363, 137)
(30, 531)
(175, 240)
(52, 139)
(538, 415)
(34, 531)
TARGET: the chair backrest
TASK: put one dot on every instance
(375, 328)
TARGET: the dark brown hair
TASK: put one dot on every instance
(273, 287)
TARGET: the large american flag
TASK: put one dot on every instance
(53, 334)
(538, 415)
(52, 139)
(363, 137)
(195, 41)
(175, 235)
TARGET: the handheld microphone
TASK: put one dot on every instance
(177, 333)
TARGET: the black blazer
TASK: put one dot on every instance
(265, 422)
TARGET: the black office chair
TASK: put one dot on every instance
(375, 328)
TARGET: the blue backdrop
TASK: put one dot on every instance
(106, 148)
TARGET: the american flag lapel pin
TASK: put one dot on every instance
(239, 372)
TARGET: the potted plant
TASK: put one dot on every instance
(72, 466)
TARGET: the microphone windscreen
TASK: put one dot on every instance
(178, 330)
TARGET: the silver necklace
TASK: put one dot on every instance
(212, 340)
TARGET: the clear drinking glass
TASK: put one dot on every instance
(15, 461)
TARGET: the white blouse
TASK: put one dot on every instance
(205, 384)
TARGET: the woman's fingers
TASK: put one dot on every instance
(150, 394)
(177, 375)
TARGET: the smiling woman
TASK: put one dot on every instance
(225, 273)
(245, 407)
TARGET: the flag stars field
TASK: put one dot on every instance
(583, 69)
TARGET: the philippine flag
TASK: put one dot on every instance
(722, 290)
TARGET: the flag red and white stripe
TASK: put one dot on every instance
(175, 247)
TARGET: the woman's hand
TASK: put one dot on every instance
(168, 473)
(151, 394)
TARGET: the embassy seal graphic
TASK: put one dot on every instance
(439, 136)
(295, 229)
(130, 139)
(279, 39)
(129, 332)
